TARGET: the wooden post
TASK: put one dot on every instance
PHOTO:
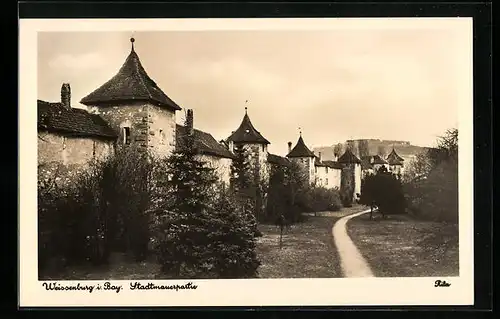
(281, 222)
(281, 236)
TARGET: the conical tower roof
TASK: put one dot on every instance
(301, 150)
(394, 159)
(131, 83)
(246, 133)
(349, 158)
(377, 159)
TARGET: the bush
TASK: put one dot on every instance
(323, 199)
(102, 211)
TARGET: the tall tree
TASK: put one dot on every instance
(351, 145)
(205, 232)
(363, 149)
(338, 149)
(183, 244)
(381, 151)
(240, 170)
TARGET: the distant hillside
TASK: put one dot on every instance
(403, 148)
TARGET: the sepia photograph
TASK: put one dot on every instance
(279, 153)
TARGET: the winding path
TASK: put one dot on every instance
(352, 262)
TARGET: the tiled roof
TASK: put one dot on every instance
(301, 150)
(348, 158)
(277, 160)
(333, 164)
(55, 117)
(131, 83)
(394, 159)
(318, 162)
(377, 159)
(204, 142)
(247, 133)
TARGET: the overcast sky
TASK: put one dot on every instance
(392, 83)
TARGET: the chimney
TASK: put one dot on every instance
(319, 156)
(66, 96)
(289, 147)
(189, 122)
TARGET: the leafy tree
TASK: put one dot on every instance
(381, 151)
(363, 149)
(418, 167)
(337, 149)
(351, 145)
(446, 150)
(368, 190)
(431, 182)
(385, 191)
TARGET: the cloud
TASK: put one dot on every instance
(78, 62)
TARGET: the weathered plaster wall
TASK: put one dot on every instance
(357, 179)
(328, 177)
(161, 137)
(222, 166)
(64, 157)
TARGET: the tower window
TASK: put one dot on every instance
(126, 135)
(162, 136)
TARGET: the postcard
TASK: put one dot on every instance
(246, 162)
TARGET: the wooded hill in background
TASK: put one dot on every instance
(373, 146)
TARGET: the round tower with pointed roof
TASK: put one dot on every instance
(302, 155)
(395, 162)
(249, 138)
(136, 108)
(351, 171)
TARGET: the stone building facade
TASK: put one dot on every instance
(69, 139)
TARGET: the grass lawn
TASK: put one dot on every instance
(401, 246)
(308, 250)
